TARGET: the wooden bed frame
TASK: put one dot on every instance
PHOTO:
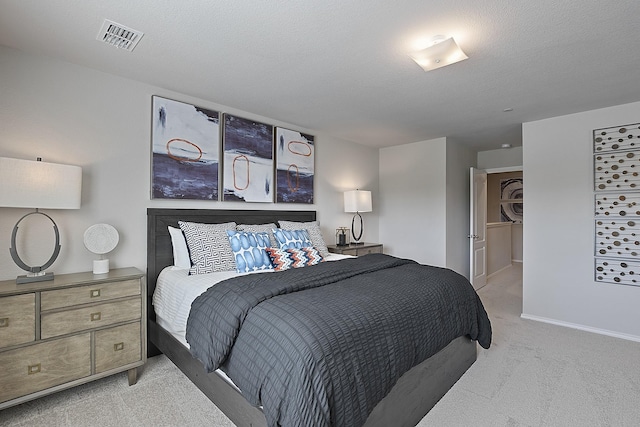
(415, 393)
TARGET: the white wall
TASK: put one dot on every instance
(558, 272)
(413, 201)
(75, 115)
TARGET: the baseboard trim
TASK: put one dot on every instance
(505, 268)
(581, 327)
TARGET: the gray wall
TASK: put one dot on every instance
(459, 162)
(558, 268)
(424, 189)
(414, 200)
(75, 115)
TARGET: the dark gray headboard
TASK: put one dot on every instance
(160, 252)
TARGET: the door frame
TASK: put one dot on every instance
(490, 171)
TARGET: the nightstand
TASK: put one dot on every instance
(362, 249)
(77, 328)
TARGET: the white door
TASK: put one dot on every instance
(478, 228)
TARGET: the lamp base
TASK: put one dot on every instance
(37, 277)
(100, 266)
(357, 243)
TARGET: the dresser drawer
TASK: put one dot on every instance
(86, 294)
(40, 366)
(17, 319)
(117, 347)
(95, 316)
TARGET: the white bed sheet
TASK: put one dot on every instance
(176, 290)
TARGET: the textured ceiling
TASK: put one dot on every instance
(341, 67)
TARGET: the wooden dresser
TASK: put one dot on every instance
(69, 331)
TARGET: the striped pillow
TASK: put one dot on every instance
(313, 228)
(284, 259)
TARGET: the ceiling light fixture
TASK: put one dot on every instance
(444, 51)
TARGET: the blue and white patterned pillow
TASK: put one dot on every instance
(249, 250)
(288, 239)
(209, 248)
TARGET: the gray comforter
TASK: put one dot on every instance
(322, 345)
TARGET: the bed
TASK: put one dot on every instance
(413, 395)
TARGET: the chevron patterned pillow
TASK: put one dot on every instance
(284, 259)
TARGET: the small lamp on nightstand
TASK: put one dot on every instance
(342, 236)
(38, 185)
(357, 201)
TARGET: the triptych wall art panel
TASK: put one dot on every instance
(617, 204)
(248, 160)
(193, 149)
(294, 170)
(185, 142)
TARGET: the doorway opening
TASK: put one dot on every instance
(505, 208)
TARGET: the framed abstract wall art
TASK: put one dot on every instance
(185, 142)
(248, 160)
(295, 154)
(511, 206)
(616, 186)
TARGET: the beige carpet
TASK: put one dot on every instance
(534, 374)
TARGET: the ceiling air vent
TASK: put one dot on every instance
(119, 36)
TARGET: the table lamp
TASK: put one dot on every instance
(38, 185)
(357, 201)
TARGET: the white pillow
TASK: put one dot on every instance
(180, 251)
(209, 247)
(313, 228)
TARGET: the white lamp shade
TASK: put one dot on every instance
(357, 201)
(36, 184)
(442, 53)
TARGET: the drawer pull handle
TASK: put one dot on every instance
(119, 346)
(4, 322)
(96, 316)
(95, 293)
(33, 369)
